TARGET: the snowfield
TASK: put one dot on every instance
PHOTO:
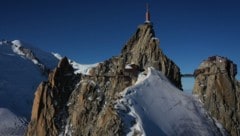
(153, 106)
(21, 72)
(10, 124)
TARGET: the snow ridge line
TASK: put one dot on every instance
(124, 106)
(154, 106)
(26, 53)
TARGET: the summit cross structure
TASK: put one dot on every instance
(147, 15)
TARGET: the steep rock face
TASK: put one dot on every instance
(91, 104)
(49, 108)
(88, 109)
(143, 50)
(218, 89)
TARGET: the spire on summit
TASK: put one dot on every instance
(147, 15)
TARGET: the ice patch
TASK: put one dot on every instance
(128, 66)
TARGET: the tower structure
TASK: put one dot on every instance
(147, 15)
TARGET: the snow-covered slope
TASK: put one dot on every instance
(22, 68)
(10, 124)
(155, 107)
(78, 68)
(37, 56)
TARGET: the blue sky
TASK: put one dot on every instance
(94, 30)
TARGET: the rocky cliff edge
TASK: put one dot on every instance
(219, 91)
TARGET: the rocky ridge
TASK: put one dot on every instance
(143, 50)
(84, 104)
(218, 89)
(49, 107)
(32, 54)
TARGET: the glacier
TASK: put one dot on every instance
(21, 72)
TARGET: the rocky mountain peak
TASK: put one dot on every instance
(140, 39)
(86, 107)
(143, 50)
(218, 89)
(218, 64)
(61, 73)
(49, 108)
(64, 64)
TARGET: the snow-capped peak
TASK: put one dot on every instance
(20, 76)
(17, 42)
(20, 50)
(40, 58)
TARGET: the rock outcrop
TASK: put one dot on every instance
(219, 91)
(49, 108)
(143, 50)
(63, 107)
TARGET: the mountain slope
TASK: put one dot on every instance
(143, 50)
(22, 68)
(70, 104)
(159, 108)
(10, 124)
